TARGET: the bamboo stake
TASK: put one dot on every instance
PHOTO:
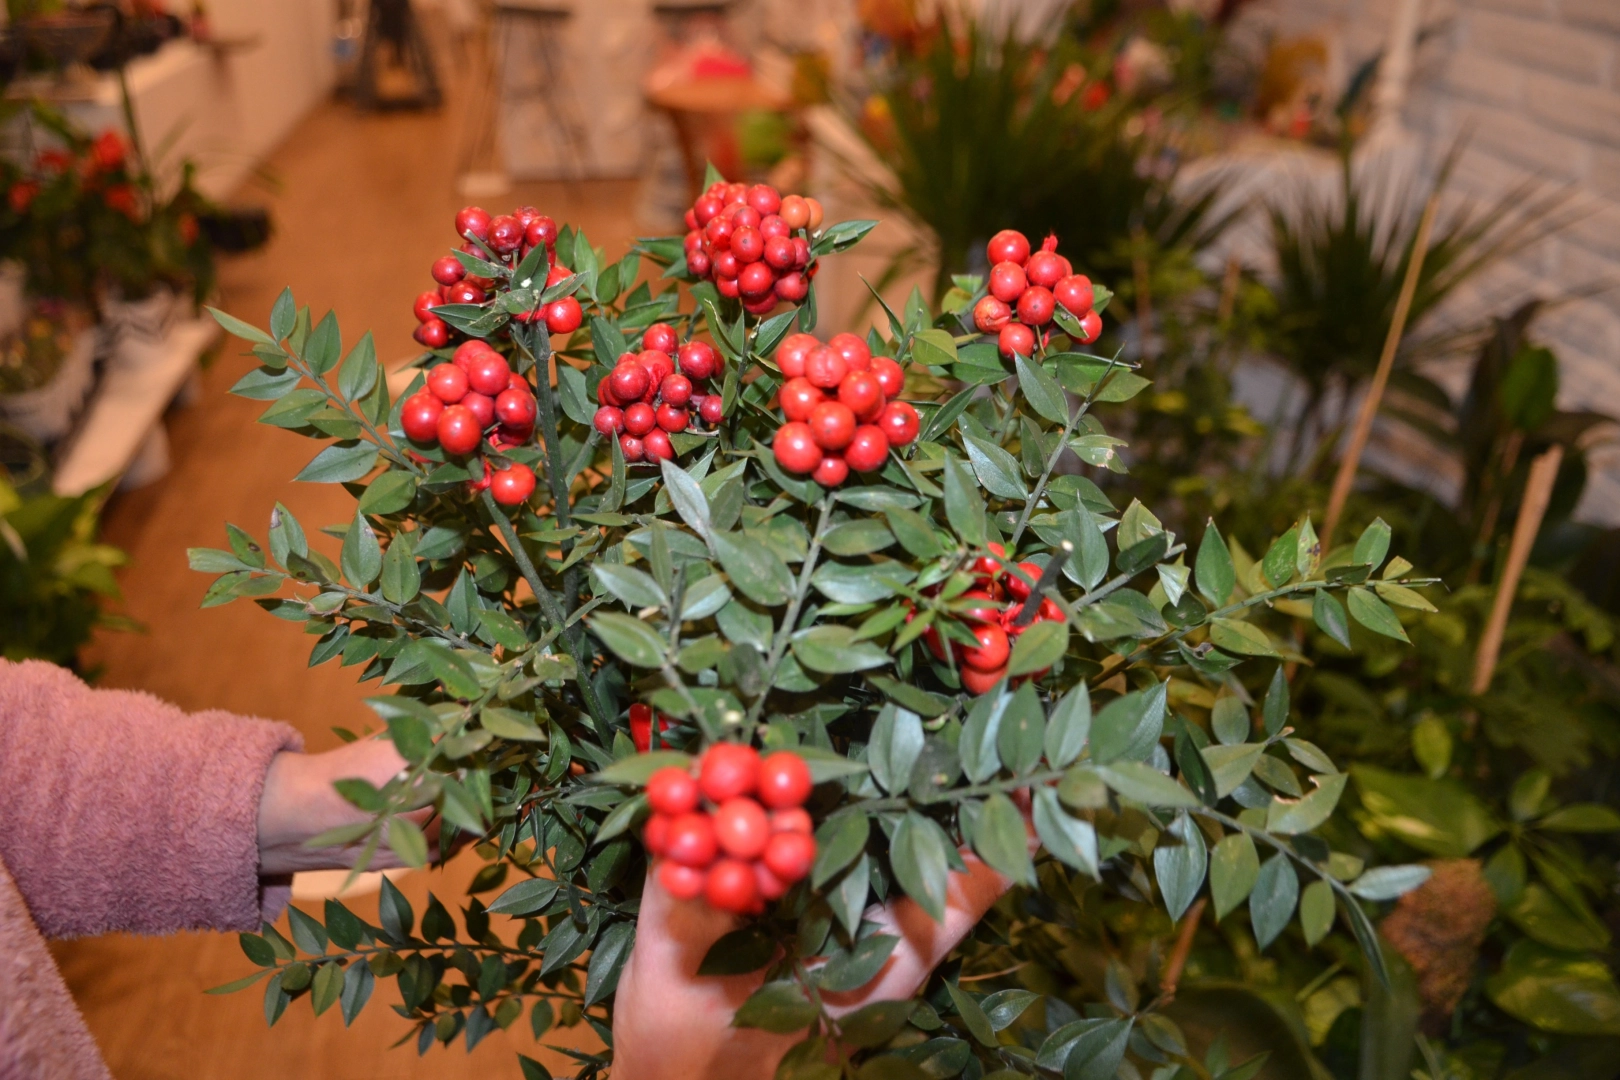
(1177, 962)
(1351, 461)
(1533, 507)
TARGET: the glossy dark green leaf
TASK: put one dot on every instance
(854, 968)
(1179, 863)
(1233, 867)
(608, 957)
(1070, 839)
(1374, 614)
(891, 752)
(1069, 727)
(1038, 648)
(755, 570)
(996, 469)
(401, 578)
(977, 743)
(1372, 545)
(779, 1007)
(739, 952)
(388, 493)
(917, 855)
(1021, 735)
(1213, 571)
(964, 507)
(362, 556)
(1042, 391)
(834, 649)
(972, 1014)
(1271, 904)
(1001, 840)
(630, 639)
(1129, 726)
(839, 841)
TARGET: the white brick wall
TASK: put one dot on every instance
(1535, 85)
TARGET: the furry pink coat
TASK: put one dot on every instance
(117, 812)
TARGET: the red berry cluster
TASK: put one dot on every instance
(1026, 291)
(641, 718)
(753, 243)
(839, 408)
(645, 400)
(509, 237)
(985, 664)
(737, 834)
(476, 391)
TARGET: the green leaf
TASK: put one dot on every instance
(860, 536)
(327, 986)
(1330, 618)
(340, 462)
(401, 577)
(976, 745)
(511, 724)
(917, 855)
(1215, 575)
(875, 1024)
(839, 841)
(1069, 726)
(1230, 722)
(996, 469)
(237, 328)
(388, 493)
(934, 348)
(1070, 839)
(325, 345)
(1021, 734)
(262, 385)
(635, 587)
(834, 650)
(526, 897)
(358, 376)
(608, 957)
(362, 556)
(1287, 817)
(978, 1024)
(739, 952)
(964, 508)
(631, 639)
(1146, 785)
(1581, 818)
(1271, 904)
(1001, 841)
(1179, 863)
(892, 750)
(282, 314)
(687, 497)
(1316, 911)
(1556, 991)
(755, 570)
(406, 838)
(1274, 712)
(1129, 726)
(1279, 563)
(1042, 391)
(1374, 614)
(1237, 636)
(779, 1007)
(1440, 817)
(1372, 545)
(1389, 882)
(1233, 867)
(853, 969)
(1231, 765)
(1038, 647)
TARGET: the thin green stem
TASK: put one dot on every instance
(784, 633)
(1039, 491)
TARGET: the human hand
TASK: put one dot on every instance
(299, 803)
(671, 1024)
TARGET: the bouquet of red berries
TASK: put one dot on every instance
(753, 243)
(842, 408)
(1029, 292)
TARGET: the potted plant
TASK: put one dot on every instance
(869, 574)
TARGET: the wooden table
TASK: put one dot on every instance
(698, 107)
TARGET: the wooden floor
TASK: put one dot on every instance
(364, 204)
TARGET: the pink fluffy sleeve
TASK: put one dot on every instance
(119, 811)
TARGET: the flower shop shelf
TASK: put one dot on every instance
(138, 386)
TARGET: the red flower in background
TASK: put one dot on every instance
(107, 152)
(22, 195)
(55, 161)
(121, 197)
(188, 228)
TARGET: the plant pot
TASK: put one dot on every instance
(47, 413)
(149, 318)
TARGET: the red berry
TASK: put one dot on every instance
(564, 316)
(670, 418)
(640, 419)
(525, 214)
(900, 423)
(660, 336)
(862, 392)
(425, 303)
(488, 373)
(657, 447)
(816, 214)
(1016, 338)
(770, 886)
(540, 230)
(792, 287)
(459, 430)
(706, 208)
(472, 221)
(790, 855)
(1008, 282)
(448, 270)
(868, 450)
(512, 485)
(731, 886)
(691, 840)
(747, 245)
(697, 360)
(464, 293)
(629, 381)
(857, 357)
(741, 828)
(726, 264)
(990, 315)
(764, 199)
(784, 780)
(434, 334)
(790, 355)
(991, 652)
(632, 448)
(656, 834)
(1019, 589)
(772, 227)
(728, 770)
(699, 263)
(481, 405)
(467, 350)
(798, 397)
(681, 882)
(513, 436)
(448, 383)
(608, 420)
(985, 565)
(672, 791)
(1075, 294)
(1090, 327)
(1036, 306)
(658, 364)
(712, 409)
(831, 471)
(1008, 245)
(675, 390)
(980, 682)
(825, 368)
(796, 448)
(727, 287)
(505, 234)
(779, 253)
(792, 819)
(756, 280)
(718, 232)
(832, 425)
(979, 606)
(801, 252)
(419, 416)
(515, 408)
(795, 211)
(890, 376)
(1045, 268)
(557, 273)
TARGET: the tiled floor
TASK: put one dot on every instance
(364, 204)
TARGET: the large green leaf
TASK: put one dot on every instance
(340, 463)
(834, 650)
(1556, 991)
(1038, 648)
(755, 570)
(631, 639)
(1289, 816)
(1440, 817)
(918, 856)
(964, 507)
(1233, 867)
(1001, 840)
(1129, 726)
(1179, 863)
(1271, 904)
